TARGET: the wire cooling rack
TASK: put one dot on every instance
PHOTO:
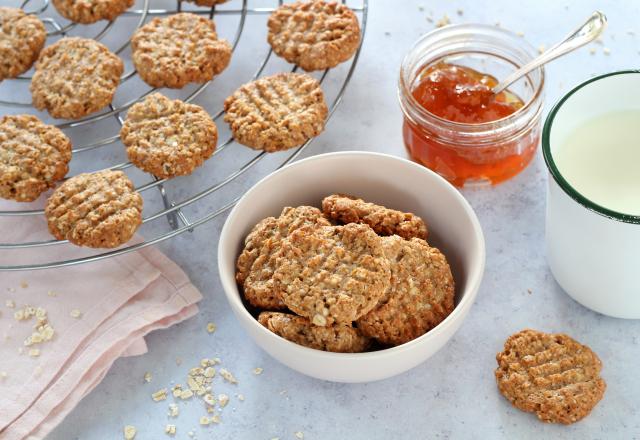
(169, 207)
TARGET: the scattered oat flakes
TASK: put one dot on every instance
(211, 327)
(257, 371)
(444, 21)
(24, 284)
(174, 410)
(159, 395)
(240, 397)
(75, 313)
(209, 399)
(147, 377)
(209, 372)
(223, 399)
(606, 51)
(186, 394)
(299, 435)
(215, 419)
(34, 352)
(170, 429)
(3, 374)
(129, 432)
(204, 420)
(227, 376)
(52, 293)
(10, 303)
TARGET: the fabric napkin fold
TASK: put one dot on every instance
(99, 311)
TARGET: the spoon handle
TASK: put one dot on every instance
(586, 33)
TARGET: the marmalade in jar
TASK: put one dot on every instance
(456, 95)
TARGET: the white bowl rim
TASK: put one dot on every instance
(475, 276)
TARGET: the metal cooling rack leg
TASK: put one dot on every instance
(172, 218)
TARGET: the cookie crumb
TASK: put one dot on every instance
(75, 313)
(34, 352)
(51, 293)
(24, 284)
(257, 371)
(215, 419)
(240, 397)
(174, 410)
(129, 432)
(10, 303)
(299, 435)
(223, 399)
(204, 421)
(147, 377)
(3, 375)
(211, 327)
(170, 429)
(159, 395)
(444, 21)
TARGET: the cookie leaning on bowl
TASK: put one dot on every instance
(168, 138)
(22, 38)
(33, 156)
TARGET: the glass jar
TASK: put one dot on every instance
(473, 153)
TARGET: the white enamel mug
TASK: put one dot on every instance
(593, 252)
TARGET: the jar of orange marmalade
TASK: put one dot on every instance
(453, 123)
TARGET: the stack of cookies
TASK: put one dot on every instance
(351, 277)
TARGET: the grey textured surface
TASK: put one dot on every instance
(452, 395)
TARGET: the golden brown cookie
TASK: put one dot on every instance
(33, 156)
(176, 50)
(75, 77)
(420, 296)
(22, 38)
(208, 2)
(98, 210)
(256, 263)
(339, 338)
(314, 35)
(90, 11)
(168, 138)
(550, 374)
(276, 112)
(385, 221)
(332, 273)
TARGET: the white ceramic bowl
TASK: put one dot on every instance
(387, 180)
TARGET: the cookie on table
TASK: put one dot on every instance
(33, 156)
(339, 338)
(207, 2)
(75, 77)
(385, 221)
(551, 375)
(98, 210)
(276, 112)
(421, 294)
(256, 263)
(168, 138)
(314, 35)
(22, 38)
(179, 49)
(90, 11)
(331, 274)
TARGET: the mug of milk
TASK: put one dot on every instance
(591, 145)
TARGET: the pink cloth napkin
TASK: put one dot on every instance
(119, 301)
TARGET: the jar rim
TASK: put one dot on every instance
(405, 89)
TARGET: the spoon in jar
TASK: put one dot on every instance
(586, 33)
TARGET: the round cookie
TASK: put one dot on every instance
(208, 3)
(551, 375)
(385, 221)
(75, 77)
(420, 295)
(22, 38)
(314, 35)
(276, 112)
(33, 156)
(332, 273)
(338, 338)
(176, 50)
(168, 138)
(90, 11)
(256, 263)
(98, 210)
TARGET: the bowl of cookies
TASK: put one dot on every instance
(351, 266)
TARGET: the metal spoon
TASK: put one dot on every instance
(586, 33)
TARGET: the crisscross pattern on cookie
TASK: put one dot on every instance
(315, 35)
(22, 37)
(276, 112)
(551, 375)
(33, 156)
(167, 137)
(99, 209)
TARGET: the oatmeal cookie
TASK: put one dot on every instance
(339, 338)
(90, 11)
(98, 210)
(314, 35)
(256, 263)
(208, 3)
(167, 137)
(384, 221)
(75, 77)
(276, 112)
(332, 273)
(22, 38)
(420, 296)
(176, 50)
(33, 156)
(550, 374)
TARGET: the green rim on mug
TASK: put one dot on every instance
(553, 169)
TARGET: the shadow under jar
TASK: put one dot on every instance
(472, 153)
